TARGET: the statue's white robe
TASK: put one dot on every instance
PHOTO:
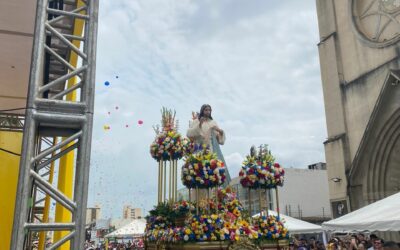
(203, 135)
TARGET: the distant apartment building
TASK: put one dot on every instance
(93, 214)
(131, 213)
(305, 193)
(317, 166)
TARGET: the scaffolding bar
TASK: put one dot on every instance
(67, 13)
(49, 226)
(62, 241)
(54, 193)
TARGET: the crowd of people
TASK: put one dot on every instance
(348, 242)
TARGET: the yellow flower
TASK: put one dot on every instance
(236, 212)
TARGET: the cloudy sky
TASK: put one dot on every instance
(255, 62)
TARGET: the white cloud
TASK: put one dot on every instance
(234, 161)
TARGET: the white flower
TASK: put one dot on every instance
(186, 237)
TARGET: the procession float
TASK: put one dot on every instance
(212, 217)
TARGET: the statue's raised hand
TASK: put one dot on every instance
(195, 115)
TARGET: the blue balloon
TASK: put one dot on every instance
(107, 83)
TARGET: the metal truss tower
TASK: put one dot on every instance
(51, 113)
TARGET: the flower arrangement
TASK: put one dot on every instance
(227, 225)
(260, 170)
(181, 208)
(271, 227)
(203, 170)
(169, 144)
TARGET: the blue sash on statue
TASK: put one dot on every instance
(216, 149)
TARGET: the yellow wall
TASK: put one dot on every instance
(9, 165)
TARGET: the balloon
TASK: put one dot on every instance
(109, 112)
(106, 127)
(140, 122)
(116, 107)
(116, 77)
(107, 83)
(126, 125)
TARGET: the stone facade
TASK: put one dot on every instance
(359, 59)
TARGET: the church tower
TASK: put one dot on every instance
(359, 58)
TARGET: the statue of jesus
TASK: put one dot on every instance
(205, 131)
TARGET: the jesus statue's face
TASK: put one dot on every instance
(207, 112)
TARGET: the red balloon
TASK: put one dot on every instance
(140, 122)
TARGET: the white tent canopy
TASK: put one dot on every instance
(296, 226)
(383, 215)
(134, 229)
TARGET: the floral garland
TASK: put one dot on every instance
(260, 171)
(203, 170)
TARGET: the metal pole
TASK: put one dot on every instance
(216, 199)
(250, 202)
(165, 182)
(159, 181)
(267, 201)
(170, 181)
(197, 200)
(83, 155)
(176, 180)
(277, 201)
(208, 200)
(259, 201)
